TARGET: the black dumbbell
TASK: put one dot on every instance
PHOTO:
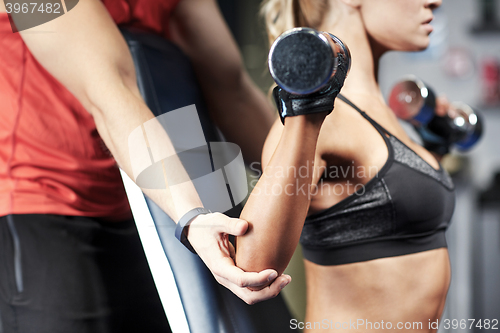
(302, 60)
(413, 101)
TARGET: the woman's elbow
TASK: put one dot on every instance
(256, 256)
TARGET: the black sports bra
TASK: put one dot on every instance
(404, 209)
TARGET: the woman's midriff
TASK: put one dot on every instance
(370, 296)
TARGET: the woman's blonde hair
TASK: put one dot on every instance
(282, 15)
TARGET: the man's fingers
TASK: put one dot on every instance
(252, 297)
(208, 235)
(262, 278)
(280, 283)
(228, 271)
(233, 226)
(221, 223)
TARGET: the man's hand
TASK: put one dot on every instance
(209, 235)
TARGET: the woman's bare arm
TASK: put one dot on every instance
(276, 218)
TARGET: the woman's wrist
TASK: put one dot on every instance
(312, 121)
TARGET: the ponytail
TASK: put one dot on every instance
(282, 15)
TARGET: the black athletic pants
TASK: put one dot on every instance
(72, 274)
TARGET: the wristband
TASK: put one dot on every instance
(289, 104)
(184, 222)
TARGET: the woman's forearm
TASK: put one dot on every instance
(277, 207)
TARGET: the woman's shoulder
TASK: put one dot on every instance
(347, 136)
(341, 131)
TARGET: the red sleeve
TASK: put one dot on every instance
(147, 15)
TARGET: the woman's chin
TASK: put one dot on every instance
(422, 48)
(417, 46)
(423, 43)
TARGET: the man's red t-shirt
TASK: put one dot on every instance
(52, 160)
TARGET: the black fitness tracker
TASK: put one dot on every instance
(184, 221)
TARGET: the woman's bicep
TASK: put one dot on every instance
(278, 205)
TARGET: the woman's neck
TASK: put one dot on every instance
(362, 78)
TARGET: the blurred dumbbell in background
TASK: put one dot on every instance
(414, 101)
